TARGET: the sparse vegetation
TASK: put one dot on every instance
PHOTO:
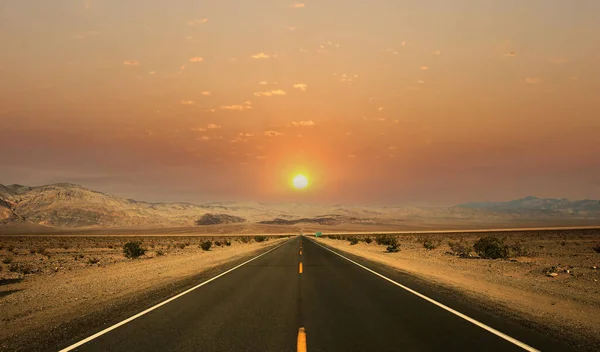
(7, 260)
(181, 245)
(431, 244)
(205, 245)
(519, 250)
(393, 247)
(596, 248)
(228, 243)
(93, 260)
(353, 240)
(491, 247)
(159, 253)
(368, 240)
(260, 238)
(245, 239)
(218, 243)
(133, 249)
(460, 248)
(21, 268)
(386, 240)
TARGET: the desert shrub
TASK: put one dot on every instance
(206, 245)
(7, 260)
(460, 248)
(42, 251)
(368, 240)
(133, 249)
(386, 240)
(1, 246)
(159, 253)
(393, 247)
(353, 240)
(245, 239)
(228, 243)
(596, 248)
(218, 243)
(22, 268)
(180, 245)
(490, 247)
(93, 260)
(260, 238)
(10, 248)
(431, 244)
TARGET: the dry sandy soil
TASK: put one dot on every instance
(51, 286)
(567, 303)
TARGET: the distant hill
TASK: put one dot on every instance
(70, 206)
(550, 206)
(215, 219)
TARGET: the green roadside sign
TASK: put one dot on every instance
(318, 234)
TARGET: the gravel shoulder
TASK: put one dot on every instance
(566, 305)
(72, 296)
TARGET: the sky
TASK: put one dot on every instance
(377, 102)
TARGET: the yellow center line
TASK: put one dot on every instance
(300, 252)
(301, 340)
(300, 268)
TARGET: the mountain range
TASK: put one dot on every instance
(70, 206)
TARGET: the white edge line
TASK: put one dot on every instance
(430, 300)
(98, 334)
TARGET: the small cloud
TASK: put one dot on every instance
(260, 55)
(203, 138)
(198, 129)
(392, 147)
(247, 102)
(297, 5)
(210, 110)
(424, 68)
(533, 80)
(304, 123)
(380, 109)
(301, 86)
(270, 93)
(211, 126)
(421, 81)
(437, 53)
(232, 59)
(236, 107)
(272, 133)
(300, 136)
(404, 43)
(187, 102)
(196, 59)
(152, 72)
(197, 22)
(351, 156)
(348, 133)
(242, 134)
(261, 157)
(88, 4)
(290, 28)
(511, 54)
(182, 67)
(207, 93)
(263, 83)
(131, 63)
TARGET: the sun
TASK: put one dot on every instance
(300, 182)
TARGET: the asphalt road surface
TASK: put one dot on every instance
(301, 296)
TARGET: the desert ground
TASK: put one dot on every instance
(551, 278)
(52, 287)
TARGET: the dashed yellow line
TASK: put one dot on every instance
(300, 252)
(301, 340)
(300, 268)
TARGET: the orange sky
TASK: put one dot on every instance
(385, 102)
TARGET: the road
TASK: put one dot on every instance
(340, 306)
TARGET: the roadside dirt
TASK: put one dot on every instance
(567, 303)
(53, 286)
